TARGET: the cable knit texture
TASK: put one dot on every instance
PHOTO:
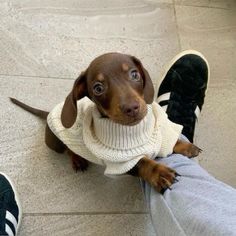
(118, 147)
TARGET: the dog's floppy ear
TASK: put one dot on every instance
(69, 110)
(148, 88)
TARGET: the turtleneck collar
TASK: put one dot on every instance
(123, 137)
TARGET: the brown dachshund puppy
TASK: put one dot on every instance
(121, 88)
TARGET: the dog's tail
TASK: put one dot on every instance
(37, 112)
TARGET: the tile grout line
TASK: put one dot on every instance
(177, 25)
(38, 76)
(209, 7)
(85, 213)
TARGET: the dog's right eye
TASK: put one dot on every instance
(134, 75)
(98, 88)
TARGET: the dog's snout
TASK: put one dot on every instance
(131, 109)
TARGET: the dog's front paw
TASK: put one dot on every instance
(192, 150)
(162, 177)
(79, 163)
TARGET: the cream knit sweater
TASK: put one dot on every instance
(116, 146)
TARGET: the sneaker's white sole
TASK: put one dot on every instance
(17, 201)
(176, 58)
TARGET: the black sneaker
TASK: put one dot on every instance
(10, 210)
(182, 89)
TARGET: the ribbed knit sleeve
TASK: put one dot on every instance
(73, 137)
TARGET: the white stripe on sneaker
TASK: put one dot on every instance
(163, 97)
(17, 200)
(8, 230)
(11, 218)
(197, 111)
(164, 107)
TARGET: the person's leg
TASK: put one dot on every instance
(10, 210)
(198, 204)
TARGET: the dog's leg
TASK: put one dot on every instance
(53, 142)
(78, 162)
(187, 149)
(158, 175)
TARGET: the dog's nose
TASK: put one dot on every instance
(131, 109)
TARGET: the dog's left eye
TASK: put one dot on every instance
(134, 75)
(98, 88)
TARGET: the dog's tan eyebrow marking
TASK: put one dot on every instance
(100, 77)
(125, 67)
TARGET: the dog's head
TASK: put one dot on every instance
(118, 84)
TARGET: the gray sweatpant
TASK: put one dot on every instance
(197, 205)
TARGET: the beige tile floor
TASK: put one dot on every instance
(44, 44)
